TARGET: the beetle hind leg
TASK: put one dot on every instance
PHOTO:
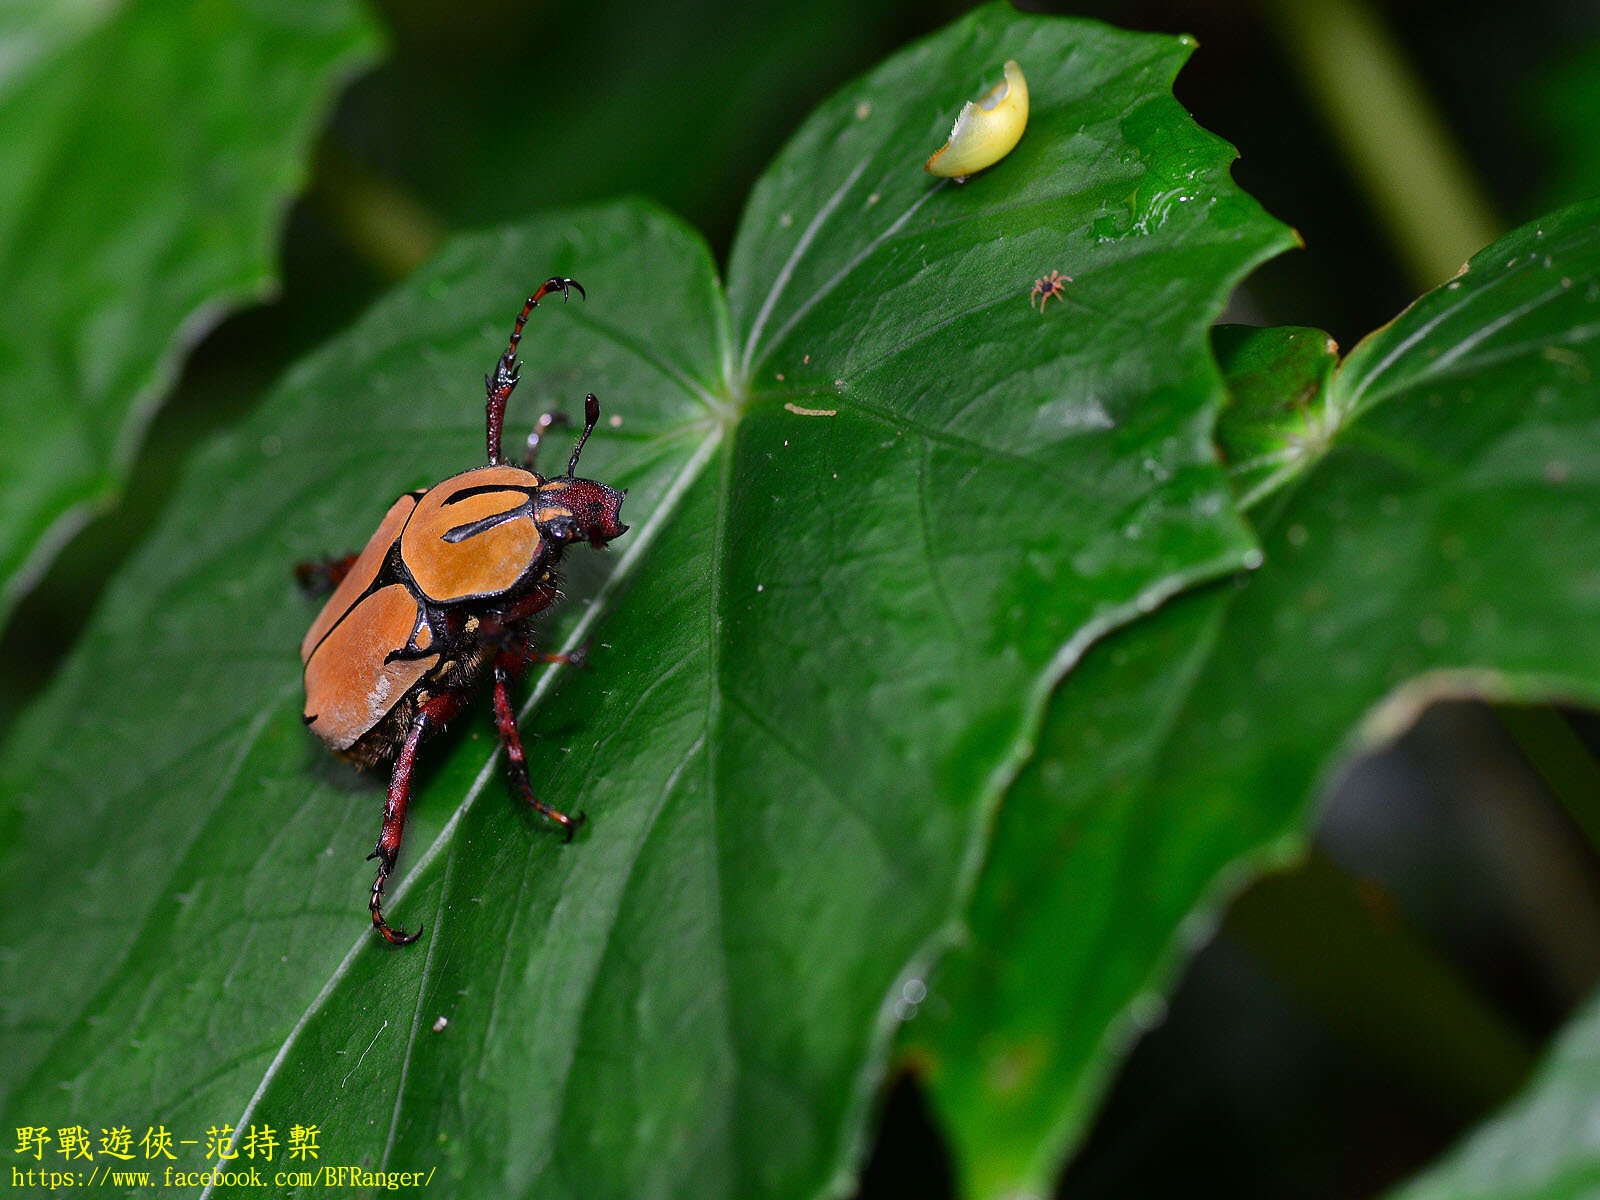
(506, 721)
(394, 823)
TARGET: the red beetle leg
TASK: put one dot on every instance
(319, 576)
(394, 824)
(506, 721)
(503, 379)
(432, 715)
(519, 659)
(537, 600)
(573, 658)
(506, 627)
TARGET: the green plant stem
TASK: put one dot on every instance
(390, 230)
(1401, 151)
(1346, 954)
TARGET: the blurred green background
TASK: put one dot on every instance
(1448, 859)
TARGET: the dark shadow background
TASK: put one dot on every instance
(1272, 1075)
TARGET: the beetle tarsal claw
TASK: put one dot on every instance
(570, 825)
(395, 937)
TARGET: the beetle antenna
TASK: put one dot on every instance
(500, 382)
(591, 414)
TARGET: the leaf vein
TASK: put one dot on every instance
(787, 270)
(647, 534)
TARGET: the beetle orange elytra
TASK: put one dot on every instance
(445, 590)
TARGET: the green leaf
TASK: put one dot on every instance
(1444, 544)
(824, 647)
(1279, 415)
(149, 152)
(1543, 1146)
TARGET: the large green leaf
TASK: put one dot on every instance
(1443, 543)
(1543, 1146)
(826, 641)
(149, 151)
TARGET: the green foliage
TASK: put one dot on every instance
(886, 738)
(120, 243)
(1187, 749)
(856, 469)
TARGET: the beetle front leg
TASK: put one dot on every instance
(506, 721)
(319, 576)
(500, 382)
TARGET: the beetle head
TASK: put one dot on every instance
(572, 509)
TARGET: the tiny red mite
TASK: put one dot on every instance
(445, 590)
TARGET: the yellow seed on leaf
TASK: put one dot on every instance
(985, 130)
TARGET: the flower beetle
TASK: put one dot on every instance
(445, 591)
